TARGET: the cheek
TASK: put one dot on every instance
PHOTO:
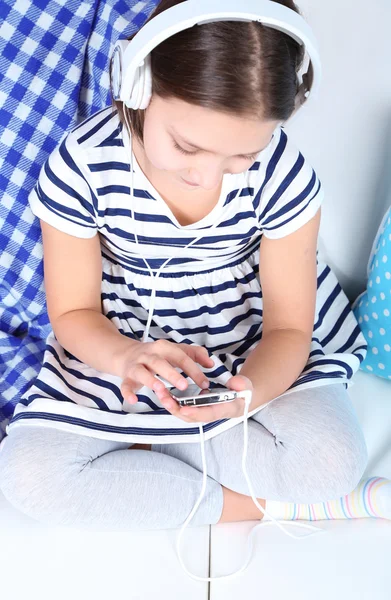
(240, 167)
(163, 158)
(162, 155)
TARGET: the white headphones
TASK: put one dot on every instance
(131, 76)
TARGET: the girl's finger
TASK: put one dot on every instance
(173, 407)
(199, 354)
(185, 362)
(127, 394)
(141, 377)
(164, 368)
(239, 383)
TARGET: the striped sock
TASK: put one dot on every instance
(371, 498)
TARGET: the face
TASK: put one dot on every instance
(193, 147)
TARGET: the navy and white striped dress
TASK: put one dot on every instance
(208, 294)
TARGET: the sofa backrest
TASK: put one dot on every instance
(346, 131)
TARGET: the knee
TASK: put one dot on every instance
(24, 484)
(346, 466)
(334, 469)
(315, 466)
(17, 478)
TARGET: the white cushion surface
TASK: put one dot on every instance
(58, 563)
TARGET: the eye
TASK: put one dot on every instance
(245, 157)
(182, 150)
(251, 157)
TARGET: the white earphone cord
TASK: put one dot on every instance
(247, 396)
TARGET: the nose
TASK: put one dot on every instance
(208, 178)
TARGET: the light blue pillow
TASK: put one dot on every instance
(373, 307)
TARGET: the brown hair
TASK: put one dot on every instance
(244, 68)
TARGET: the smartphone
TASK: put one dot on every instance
(196, 396)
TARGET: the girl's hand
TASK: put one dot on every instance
(215, 412)
(143, 361)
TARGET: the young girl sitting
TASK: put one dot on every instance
(180, 246)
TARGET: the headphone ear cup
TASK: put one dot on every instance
(134, 99)
(147, 83)
(142, 87)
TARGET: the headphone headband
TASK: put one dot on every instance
(131, 75)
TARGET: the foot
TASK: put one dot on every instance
(238, 507)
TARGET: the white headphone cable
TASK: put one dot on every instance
(247, 395)
(153, 277)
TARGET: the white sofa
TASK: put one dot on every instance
(349, 562)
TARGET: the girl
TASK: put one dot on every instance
(222, 223)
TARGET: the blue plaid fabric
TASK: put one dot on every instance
(54, 64)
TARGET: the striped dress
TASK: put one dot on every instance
(208, 294)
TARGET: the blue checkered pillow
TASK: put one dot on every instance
(373, 307)
(54, 59)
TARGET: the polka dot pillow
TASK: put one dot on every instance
(373, 307)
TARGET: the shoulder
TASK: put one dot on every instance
(84, 148)
(281, 158)
(99, 130)
(286, 190)
(281, 173)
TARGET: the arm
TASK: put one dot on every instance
(72, 273)
(289, 285)
(93, 339)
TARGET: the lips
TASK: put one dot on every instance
(189, 182)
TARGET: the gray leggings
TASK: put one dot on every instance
(305, 447)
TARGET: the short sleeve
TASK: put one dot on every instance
(62, 196)
(290, 193)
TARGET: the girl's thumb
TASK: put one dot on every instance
(239, 383)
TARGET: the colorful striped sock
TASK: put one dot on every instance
(371, 498)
